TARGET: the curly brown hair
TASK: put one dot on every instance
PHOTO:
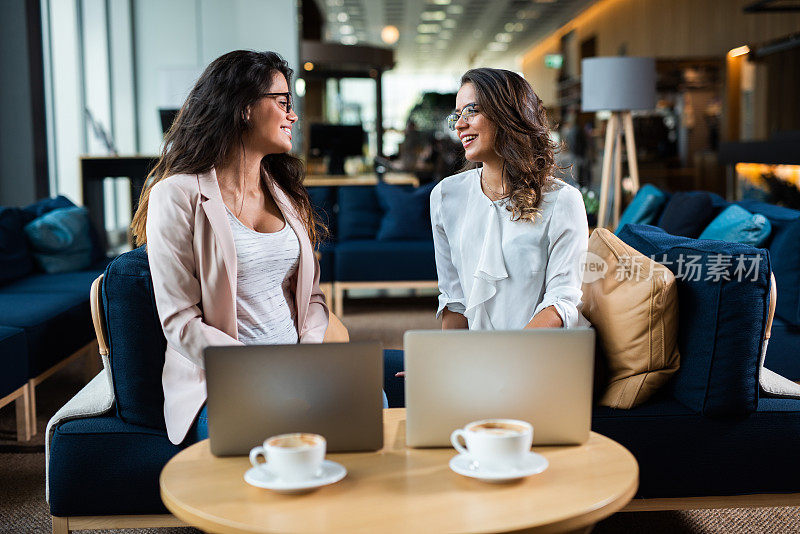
(211, 123)
(522, 138)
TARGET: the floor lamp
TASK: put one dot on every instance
(619, 85)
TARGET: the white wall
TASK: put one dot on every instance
(176, 40)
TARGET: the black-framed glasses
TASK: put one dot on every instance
(285, 105)
(467, 112)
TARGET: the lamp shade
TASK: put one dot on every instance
(618, 83)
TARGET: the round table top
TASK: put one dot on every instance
(399, 490)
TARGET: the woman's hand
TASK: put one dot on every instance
(547, 318)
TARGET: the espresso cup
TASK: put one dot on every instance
(291, 457)
(495, 444)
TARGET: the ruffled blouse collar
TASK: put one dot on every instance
(491, 266)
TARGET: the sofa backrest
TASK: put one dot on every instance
(723, 296)
(135, 338)
(359, 214)
(784, 251)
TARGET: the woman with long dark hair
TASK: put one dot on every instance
(508, 236)
(229, 229)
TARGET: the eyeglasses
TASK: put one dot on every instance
(469, 111)
(285, 105)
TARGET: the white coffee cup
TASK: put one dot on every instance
(291, 457)
(495, 444)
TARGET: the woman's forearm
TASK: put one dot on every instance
(453, 321)
(547, 318)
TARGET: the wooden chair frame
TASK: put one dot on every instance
(339, 289)
(22, 399)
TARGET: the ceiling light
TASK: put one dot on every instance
(509, 27)
(346, 29)
(449, 23)
(349, 40)
(428, 28)
(390, 34)
(503, 37)
(342, 17)
(497, 47)
(433, 15)
(518, 27)
(440, 2)
(308, 65)
(740, 51)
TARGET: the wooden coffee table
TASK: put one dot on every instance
(398, 489)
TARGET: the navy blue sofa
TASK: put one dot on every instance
(359, 250)
(44, 318)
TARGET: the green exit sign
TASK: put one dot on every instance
(553, 61)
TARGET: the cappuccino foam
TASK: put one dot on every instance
(294, 441)
(498, 428)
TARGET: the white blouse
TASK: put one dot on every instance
(266, 263)
(500, 273)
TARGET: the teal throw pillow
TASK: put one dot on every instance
(737, 225)
(60, 240)
(644, 208)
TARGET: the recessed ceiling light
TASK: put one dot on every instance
(518, 27)
(390, 34)
(503, 37)
(349, 40)
(342, 17)
(440, 2)
(346, 29)
(433, 15)
(428, 28)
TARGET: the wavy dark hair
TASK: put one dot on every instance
(212, 122)
(522, 138)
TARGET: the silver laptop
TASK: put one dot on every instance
(258, 391)
(543, 376)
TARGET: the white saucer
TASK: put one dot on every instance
(532, 464)
(261, 477)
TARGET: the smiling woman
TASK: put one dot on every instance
(508, 236)
(229, 229)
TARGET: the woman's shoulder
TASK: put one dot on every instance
(557, 191)
(452, 184)
(176, 187)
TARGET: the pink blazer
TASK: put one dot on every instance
(192, 259)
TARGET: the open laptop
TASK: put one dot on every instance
(258, 391)
(543, 376)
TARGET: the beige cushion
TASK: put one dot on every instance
(634, 308)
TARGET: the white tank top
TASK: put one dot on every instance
(266, 262)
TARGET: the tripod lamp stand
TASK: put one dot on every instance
(619, 85)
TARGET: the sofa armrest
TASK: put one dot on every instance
(96, 398)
